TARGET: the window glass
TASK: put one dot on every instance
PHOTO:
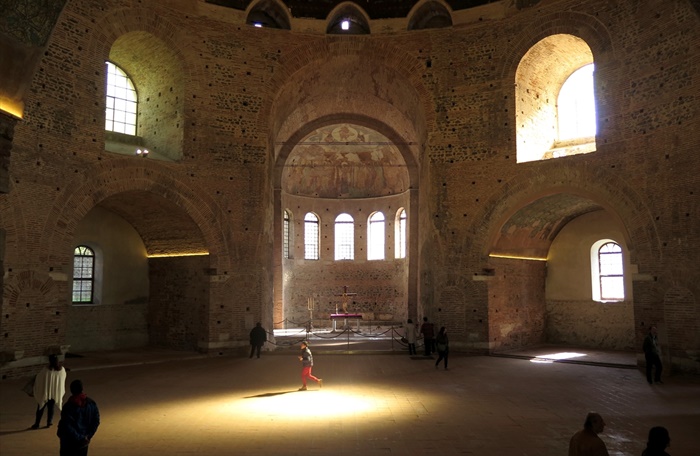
(311, 237)
(612, 285)
(400, 236)
(285, 236)
(122, 102)
(375, 237)
(576, 105)
(83, 274)
(344, 237)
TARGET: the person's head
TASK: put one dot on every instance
(258, 324)
(442, 330)
(594, 422)
(425, 318)
(53, 362)
(304, 344)
(658, 438)
(410, 321)
(652, 330)
(76, 387)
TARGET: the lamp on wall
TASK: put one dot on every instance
(142, 153)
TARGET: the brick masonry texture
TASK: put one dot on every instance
(222, 106)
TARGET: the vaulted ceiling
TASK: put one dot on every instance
(376, 9)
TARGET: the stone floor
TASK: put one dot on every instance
(376, 400)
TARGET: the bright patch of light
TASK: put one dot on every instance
(576, 105)
(345, 25)
(257, 24)
(288, 405)
(556, 357)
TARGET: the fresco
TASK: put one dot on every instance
(345, 161)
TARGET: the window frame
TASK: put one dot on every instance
(312, 236)
(286, 235)
(599, 274)
(112, 100)
(400, 228)
(376, 236)
(83, 251)
(568, 115)
(344, 237)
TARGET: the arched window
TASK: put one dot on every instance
(344, 237)
(576, 106)
(122, 102)
(375, 237)
(311, 237)
(400, 236)
(555, 112)
(286, 236)
(348, 19)
(607, 271)
(83, 274)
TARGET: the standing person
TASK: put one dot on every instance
(307, 362)
(410, 335)
(586, 441)
(658, 441)
(79, 421)
(428, 331)
(652, 354)
(443, 347)
(258, 337)
(49, 388)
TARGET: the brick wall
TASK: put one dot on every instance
(447, 95)
(178, 303)
(516, 304)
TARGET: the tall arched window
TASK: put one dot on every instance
(576, 106)
(607, 271)
(286, 236)
(83, 274)
(344, 237)
(400, 235)
(122, 102)
(311, 237)
(555, 99)
(375, 237)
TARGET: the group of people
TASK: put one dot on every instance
(586, 442)
(80, 416)
(431, 343)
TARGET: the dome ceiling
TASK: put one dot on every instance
(345, 161)
(376, 9)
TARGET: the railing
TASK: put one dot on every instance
(306, 331)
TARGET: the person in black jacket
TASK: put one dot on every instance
(658, 441)
(443, 347)
(258, 337)
(80, 419)
(652, 355)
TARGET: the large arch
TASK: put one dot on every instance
(147, 195)
(520, 230)
(404, 101)
(382, 92)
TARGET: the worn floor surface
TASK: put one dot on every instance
(373, 403)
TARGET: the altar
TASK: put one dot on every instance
(346, 316)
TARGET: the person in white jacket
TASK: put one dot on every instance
(410, 334)
(49, 388)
